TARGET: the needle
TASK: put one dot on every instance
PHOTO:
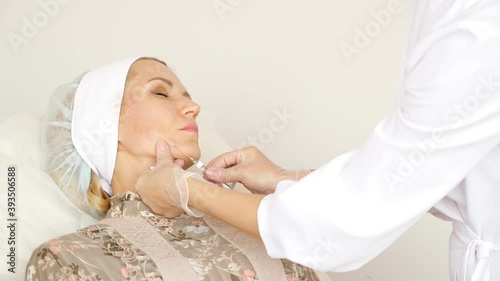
(202, 167)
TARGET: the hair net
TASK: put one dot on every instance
(80, 131)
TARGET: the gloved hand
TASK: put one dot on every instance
(164, 187)
(252, 168)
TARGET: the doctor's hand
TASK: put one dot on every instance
(164, 187)
(252, 168)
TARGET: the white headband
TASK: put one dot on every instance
(96, 114)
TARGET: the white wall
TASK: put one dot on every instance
(242, 65)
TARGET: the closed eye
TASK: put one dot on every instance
(161, 94)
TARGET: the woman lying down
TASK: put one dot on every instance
(99, 135)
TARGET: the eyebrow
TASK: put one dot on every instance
(169, 83)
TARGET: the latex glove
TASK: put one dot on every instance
(164, 187)
(252, 168)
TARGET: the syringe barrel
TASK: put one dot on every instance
(200, 166)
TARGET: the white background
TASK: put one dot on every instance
(241, 65)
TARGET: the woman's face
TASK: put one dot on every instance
(157, 106)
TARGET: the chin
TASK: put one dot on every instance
(191, 150)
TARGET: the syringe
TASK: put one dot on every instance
(202, 167)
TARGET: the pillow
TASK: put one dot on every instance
(43, 212)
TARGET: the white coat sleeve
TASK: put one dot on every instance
(447, 119)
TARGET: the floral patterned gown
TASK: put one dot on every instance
(133, 243)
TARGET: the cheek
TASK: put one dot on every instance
(127, 111)
(142, 127)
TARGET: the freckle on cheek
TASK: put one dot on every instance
(127, 109)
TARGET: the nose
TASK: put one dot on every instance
(190, 108)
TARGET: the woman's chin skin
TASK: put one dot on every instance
(180, 147)
(182, 152)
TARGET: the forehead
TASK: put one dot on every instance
(147, 69)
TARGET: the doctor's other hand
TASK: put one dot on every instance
(252, 168)
(155, 184)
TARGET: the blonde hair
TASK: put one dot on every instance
(98, 198)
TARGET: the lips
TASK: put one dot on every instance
(190, 128)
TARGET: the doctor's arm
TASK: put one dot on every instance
(161, 191)
(235, 208)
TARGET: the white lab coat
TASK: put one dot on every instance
(438, 151)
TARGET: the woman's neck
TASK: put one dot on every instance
(127, 170)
